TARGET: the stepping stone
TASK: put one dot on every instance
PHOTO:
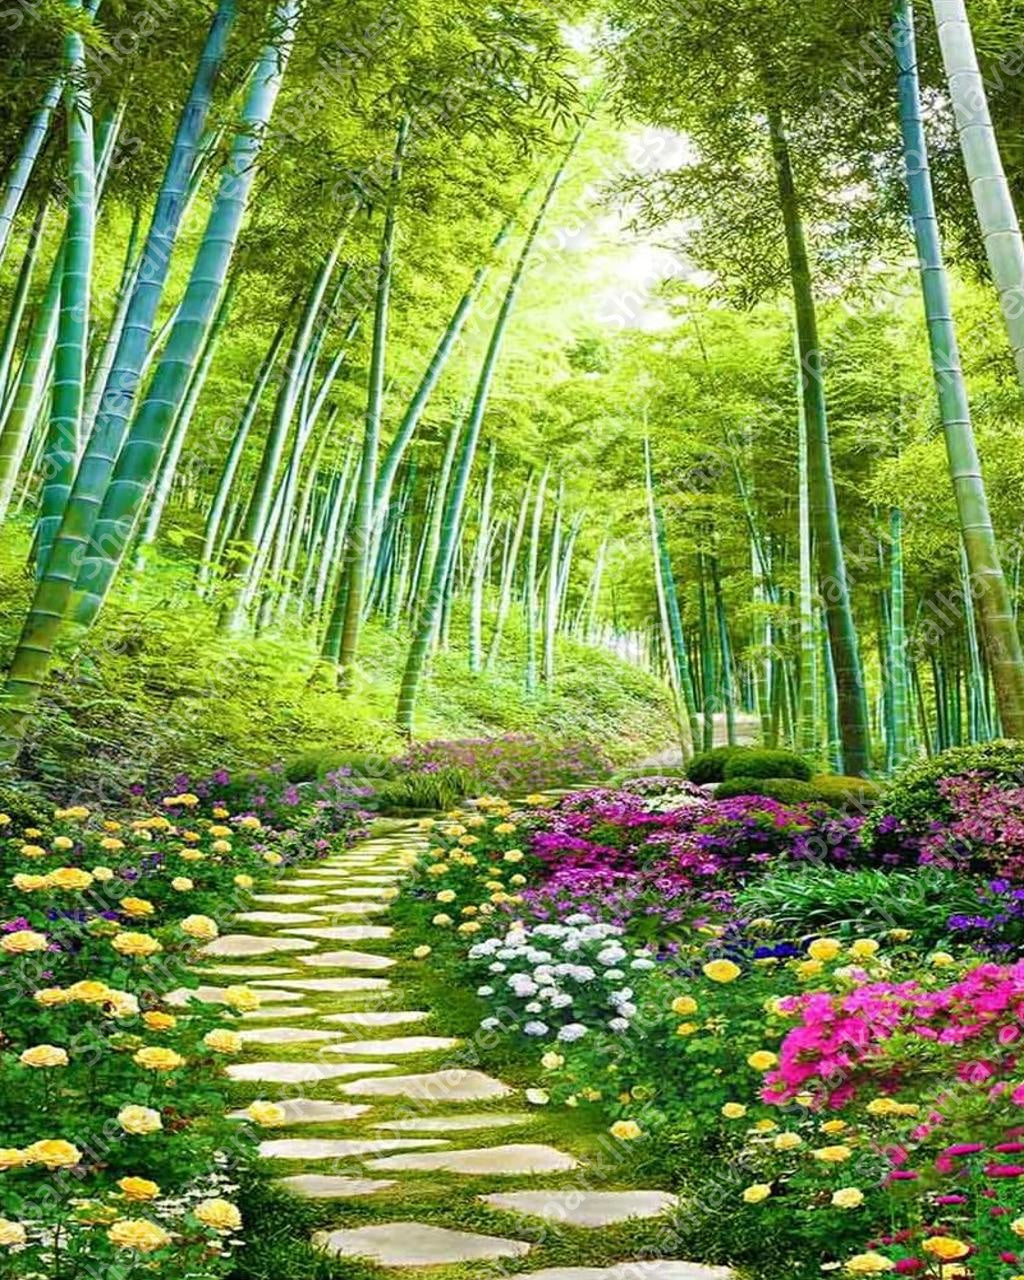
(336, 984)
(215, 995)
(297, 1072)
(347, 960)
(344, 932)
(303, 884)
(642, 1269)
(352, 909)
(517, 1158)
(285, 1035)
(338, 1148)
(246, 971)
(250, 944)
(454, 1085)
(313, 1111)
(451, 1124)
(377, 1017)
(287, 899)
(581, 1208)
(330, 1186)
(280, 1011)
(354, 892)
(414, 1244)
(276, 917)
(401, 1044)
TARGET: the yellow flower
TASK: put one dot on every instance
(721, 971)
(513, 855)
(765, 1126)
(787, 1142)
(122, 1004)
(219, 831)
(33, 833)
(734, 1111)
(469, 926)
(69, 878)
(389, 894)
(11, 1232)
(832, 1155)
(221, 846)
(446, 895)
(684, 1005)
(201, 927)
(945, 1248)
(139, 1120)
(22, 941)
(89, 992)
(135, 944)
(155, 1020)
(154, 1058)
(137, 907)
(138, 1188)
(863, 949)
(757, 1192)
(438, 869)
(274, 859)
(536, 798)
(77, 813)
(869, 1264)
(188, 800)
(220, 1040)
(804, 1099)
(12, 1158)
(221, 1215)
(29, 884)
(193, 855)
(250, 822)
(244, 882)
(441, 920)
(182, 884)
(941, 960)
(44, 1055)
(110, 825)
(551, 1061)
(625, 1130)
(901, 935)
(762, 1060)
(139, 1235)
(32, 851)
(848, 1198)
(63, 843)
(102, 874)
(505, 828)
(833, 1126)
(824, 949)
(244, 999)
(686, 1028)
(53, 1153)
(221, 812)
(421, 952)
(267, 1114)
(50, 997)
(111, 843)
(809, 969)
(517, 879)
(5, 819)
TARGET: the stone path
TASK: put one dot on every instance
(379, 1109)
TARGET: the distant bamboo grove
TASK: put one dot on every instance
(335, 525)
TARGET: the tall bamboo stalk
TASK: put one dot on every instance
(898, 643)
(530, 584)
(16, 312)
(508, 574)
(552, 591)
(479, 572)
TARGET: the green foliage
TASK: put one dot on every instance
(785, 790)
(756, 762)
(846, 793)
(709, 766)
(319, 761)
(421, 792)
(838, 792)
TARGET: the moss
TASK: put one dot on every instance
(785, 790)
(764, 762)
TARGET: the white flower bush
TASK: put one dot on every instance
(559, 981)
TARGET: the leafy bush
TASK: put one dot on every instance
(323, 760)
(756, 762)
(709, 766)
(845, 792)
(785, 790)
(511, 763)
(422, 790)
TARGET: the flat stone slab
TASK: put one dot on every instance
(276, 917)
(246, 971)
(355, 891)
(641, 1269)
(398, 1044)
(352, 909)
(414, 1244)
(314, 1111)
(377, 1017)
(452, 1124)
(287, 899)
(454, 1085)
(279, 1011)
(337, 985)
(251, 944)
(514, 1159)
(581, 1208)
(302, 884)
(297, 1072)
(344, 932)
(347, 960)
(338, 1148)
(215, 995)
(286, 1035)
(330, 1186)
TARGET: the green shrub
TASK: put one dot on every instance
(843, 792)
(757, 762)
(427, 790)
(323, 760)
(23, 804)
(785, 790)
(709, 766)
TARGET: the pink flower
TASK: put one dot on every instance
(1005, 1170)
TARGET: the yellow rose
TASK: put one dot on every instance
(517, 879)
(192, 855)
(536, 798)
(139, 1235)
(787, 1142)
(267, 1114)
(250, 822)
(102, 874)
(421, 953)
(76, 813)
(274, 859)
(182, 884)
(441, 920)
(221, 846)
(110, 825)
(51, 997)
(684, 1005)
(757, 1192)
(201, 927)
(863, 949)
(111, 843)
(69, 878)
(809, 969)
(11, 1233)
(122, 1004)
(734, 1111)
(12, 1158)
(155, 1020)
(53, 1153)
(154, 1058)
(762, 1060)
(63, 843)
(941, 959)
(551, 1061)
(244, 882)
(832, 1155)
(139, 1120)
(469, 926)
(945, 1248)
(881, 1107)
(869, 1264)
(137, 907)
(721, 971)
(446, 895)
(625, 1130)
(22, 941)
(218, 830)
(89, 992)
(686, 1028)
(221, 1215)
(44, 1055)
(188, 800)
(848, 1198)
(765, 1126)
(244, 999)
(220, 812)
(32, 851)
(29, 884)
(221, 1040)
(5, 819)
(824, 949)
(901, 935)
(138, 1188)
(135, 944)
(33, 833)
(833, 1126)
(513, 855)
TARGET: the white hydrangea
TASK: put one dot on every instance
(535, 1028)
(485, 991)
(571, 1032)
(618, 1025)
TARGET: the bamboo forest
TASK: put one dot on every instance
(511, 678)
